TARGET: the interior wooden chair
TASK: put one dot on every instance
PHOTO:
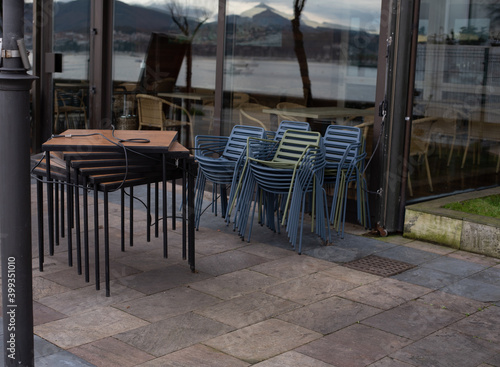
(66, 104)
(419, 146)
(446, 125)
(155, 112)
(483, 127)
(251, 114)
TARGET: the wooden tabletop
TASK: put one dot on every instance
(320, 112)
(152, 141)
(192, 96)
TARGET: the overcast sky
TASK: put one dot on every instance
(344, 12)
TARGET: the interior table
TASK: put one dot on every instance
(320, 112)
(100, 142)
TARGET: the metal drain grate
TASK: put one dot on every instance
(377, 265)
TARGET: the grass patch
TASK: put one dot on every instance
(488, 206)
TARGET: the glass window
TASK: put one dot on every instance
(296, 54)
(456, 118)
(71, 40)
(167, 50)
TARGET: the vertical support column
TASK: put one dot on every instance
(15, 200)
(393, 140)
(100, 73)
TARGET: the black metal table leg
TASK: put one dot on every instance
(96, 238)
(39, 200)
(106, 243)
(86, 229)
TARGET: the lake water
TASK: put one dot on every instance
(264, 76)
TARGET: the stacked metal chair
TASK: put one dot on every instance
(220, 159)
(279, 176)
(345, 156)
(275, 135)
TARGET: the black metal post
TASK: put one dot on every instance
(15, 200)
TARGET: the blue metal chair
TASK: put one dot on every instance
(274, 135)
(279, 176)
(219, 159)
(345, 155)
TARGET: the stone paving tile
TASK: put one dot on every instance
(173, 334)
(390, 362)
(480, 291)
(69, 277)
(263, 340)
(109, 352)
(50, 265)
(395, 239)
(214, 244)
(61, 358)
(292, 267)
(43, 314)
(227, 262)
(153, 259)
(386, 293)
(452, 302)
(483, 324)
(166, 304)
(329, 315)
(248, 309)
(194, 356)
(235, 284)
(292, 359)
(267, 251)
(349, 249)
(447, 348)
(158, 280)
(310, 288)
(353, 276)
(430, 247)
(87, 327)
(495, 361)
(408, 255)
(454, 266)
(429, 278)
(86, 299)
(356, 345)
(413, 320)
(490, 275)
(43, 287)
(475, 258)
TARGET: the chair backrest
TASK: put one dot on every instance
(337, 140)
(420, 135)
(150, 110)
(285, 105)
(251, 114)
(237, 141)
(295, 125)
(294, 143)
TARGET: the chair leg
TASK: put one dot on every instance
(429, 179)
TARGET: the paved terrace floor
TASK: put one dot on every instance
(261, 304)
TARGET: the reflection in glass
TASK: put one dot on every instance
(165, 49)
(456, 82)
(314, 54)
(72, 40)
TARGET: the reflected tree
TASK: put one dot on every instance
(300, 52)
(189, 21)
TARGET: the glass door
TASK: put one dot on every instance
(309, 55)
(455, 142)
(165, 50)
(71, 40)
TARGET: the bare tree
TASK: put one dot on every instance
(189, 21)
(300, 52)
